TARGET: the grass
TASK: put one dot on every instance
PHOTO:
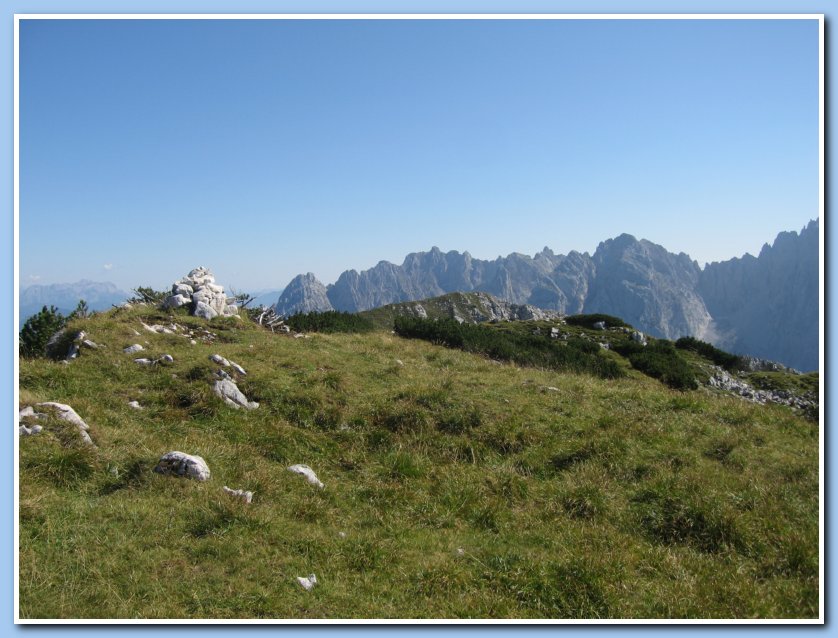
(456, 487)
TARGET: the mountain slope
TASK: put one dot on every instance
(530, 493)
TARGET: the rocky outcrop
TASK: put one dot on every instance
(303, 294)
(198, 290)
(229, 392)
(66, 413)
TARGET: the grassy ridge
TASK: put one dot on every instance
(606, 498)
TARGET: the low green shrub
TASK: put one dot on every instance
(523, 349)
(726, 360)
(588, 321)
(329, 322)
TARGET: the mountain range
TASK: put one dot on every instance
(97, 294)
(764, 306)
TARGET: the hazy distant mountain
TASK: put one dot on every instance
(98, 295)
(765, 306)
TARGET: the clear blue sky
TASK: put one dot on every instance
(268, 148)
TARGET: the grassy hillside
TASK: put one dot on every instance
(455, 486)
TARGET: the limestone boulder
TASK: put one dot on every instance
(183, 465)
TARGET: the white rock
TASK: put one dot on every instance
(341, 534)
(176, 301)
(247, 497)
(193, 342)
(25, 431)
(238, 368)
(132, 349)
(179, 288)
(217, 358)
(180, 464)
(166, 358)
(136, 332)
(307, 583)
(400, 362)
(229, 391)
(66, 413)
(87, 343)
(27, 411)
(135, 404)
(204, 311)
(231, 309)
(306, 471)
(144, 362)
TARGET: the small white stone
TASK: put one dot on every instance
(307, 583)
(144, 362)
(166, 358)
(217, 358)
(306, 471)
(135, 404)
(132, 349)
(247, 497)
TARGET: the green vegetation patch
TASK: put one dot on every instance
(726, 360)
(508, 345)
(329, 322)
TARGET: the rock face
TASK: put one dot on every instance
(303, 294)
(198, 290)
(183, 465)
(766, 306)
(648, 287)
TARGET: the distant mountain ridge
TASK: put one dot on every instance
(765, 306)
(99, 295)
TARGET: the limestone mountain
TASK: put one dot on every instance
(765, 306)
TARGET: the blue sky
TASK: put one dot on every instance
(268, 148)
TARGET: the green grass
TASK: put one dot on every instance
(609, 498)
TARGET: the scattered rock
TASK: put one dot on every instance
(185, 465)
(306, 471)
(135, 404)
(400, 362)
(166, 358)
(217, 358)
(144, 361)
(307, 583)
(22, 430)
(238, 368)
(232, 396)
(87, 343)
(66, 413)
(638, 337)
(341, 534)
(549, 388)
(28, 411)
(247, 497)
(132, 349)
(599, 325)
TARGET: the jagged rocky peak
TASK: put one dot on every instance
(201, 293)
(304, 293)
(648, 287)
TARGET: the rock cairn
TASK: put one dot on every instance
(205, 298)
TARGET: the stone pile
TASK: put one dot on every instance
(199, 291)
